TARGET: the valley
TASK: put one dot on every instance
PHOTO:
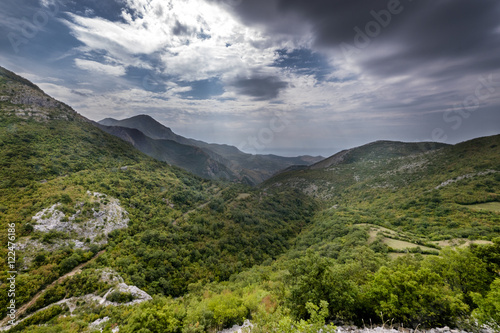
(212, 161)
(388, 232)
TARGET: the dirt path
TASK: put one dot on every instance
(183, 216)
(203, 205)
(75, 271)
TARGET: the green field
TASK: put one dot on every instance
(490, 206)
(402, 245)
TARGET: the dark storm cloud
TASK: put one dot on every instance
(462, 36)
(332, 21)
(261, 88)
(415, 32)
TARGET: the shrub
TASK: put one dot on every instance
(488, 310)
(120, 297)
(413, 297)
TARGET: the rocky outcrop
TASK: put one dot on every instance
(23, 99)
(116, 281)
(106, 215)
(467, 176)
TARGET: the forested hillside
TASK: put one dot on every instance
(181, 230)
(107, 237)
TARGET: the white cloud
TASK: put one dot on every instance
(36, 78)
(98, 68)
(194, 39)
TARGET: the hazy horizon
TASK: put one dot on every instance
(297, 151)
(282, 77)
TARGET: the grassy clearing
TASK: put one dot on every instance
(374, 231)
(242, 196)
(489, 206)
(395, 255)
(460, 242)
(401, 245)
(390, 238)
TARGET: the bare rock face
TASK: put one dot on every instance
(29, 96)
(96, 325)
(459, 178)
(138, 295)
(23, 99)
(78, 230)
(113, 278)
(108, 217)
(49, 219)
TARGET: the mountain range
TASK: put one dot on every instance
(212, 161)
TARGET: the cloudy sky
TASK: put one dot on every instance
(281, 76)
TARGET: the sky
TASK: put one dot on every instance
(288, 77)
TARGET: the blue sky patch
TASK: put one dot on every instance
(202, 89)
(304, 62)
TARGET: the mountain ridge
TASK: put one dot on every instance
(400, 165)
(243, 167)
(190, 158)
(382, 148)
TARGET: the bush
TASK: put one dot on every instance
(160, 315)
(315, 279)
(39, 317)
(227, 309)
(50, 296)
(462, 271)
(69, 263)
(120, 297)
(281, 322)
(488, 311)
(414, 297)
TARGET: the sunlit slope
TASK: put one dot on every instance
(426, 192)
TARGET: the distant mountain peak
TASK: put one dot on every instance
(144, 116)
(109, 119)
(146, 124)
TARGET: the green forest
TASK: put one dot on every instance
(399, 240)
